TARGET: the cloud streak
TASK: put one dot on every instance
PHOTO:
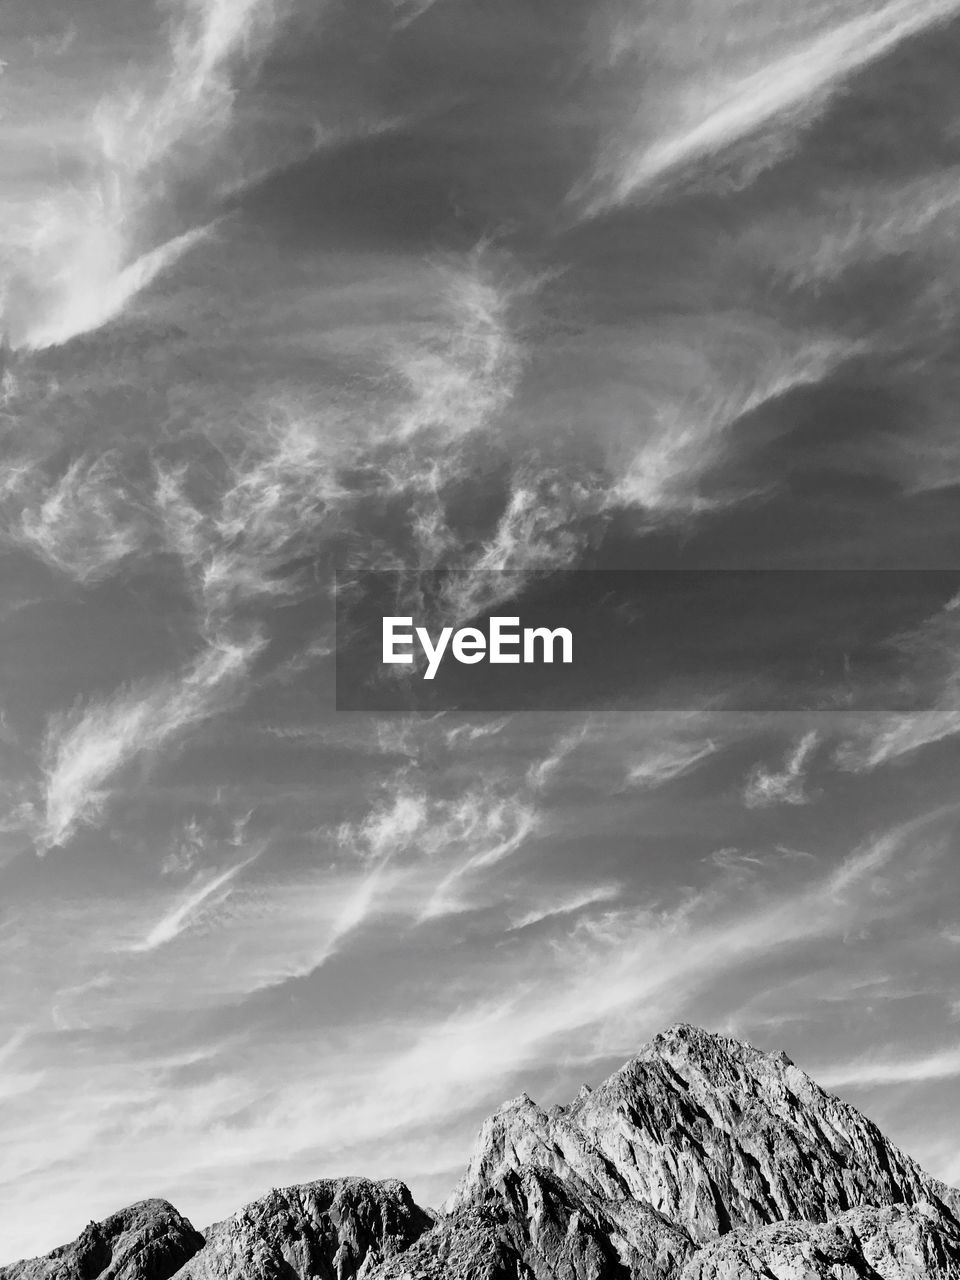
(209, 892)
(780, 96)
(88, 253)
(933, 646)
(86, 748)
(870, 1072)
(662, 765)
(468, 836)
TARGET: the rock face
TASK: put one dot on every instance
(534, 1224)
(713, 1134)
(335, 1229)
(701, 1159)
(147, 1241)
(894, 1243)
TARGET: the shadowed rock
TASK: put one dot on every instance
(147, 1241)
(714, 1135)
(895, 1243)
(533, 1224)
(698, 1138)
(334, 1229)
(700, 1159)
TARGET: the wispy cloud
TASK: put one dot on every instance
(711, 112)
(85, 525)
(700, 385)
(540, 775)
(495, 830)
(412, 858)
(470, 835)
(462, 372)
(205, 893)
(455, 386)
(741, 862)
(408, 11)
(646, 752)
(570, 906)
(661, 764)
(942, 1064)
(84, 749)
(472, 732)
(299, 473)
(934, 647)
(88, 251)
(899, 736)
(764, 788)
(269, 513)
(56, 43)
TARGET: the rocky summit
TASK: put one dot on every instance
(334, 1229)
(147, 1241)
(700, 1159)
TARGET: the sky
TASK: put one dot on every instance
(290, 288)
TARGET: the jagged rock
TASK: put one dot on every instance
(469, 1244)
(334, 1229)
(147, 1241)
(701, 1159)
(894, 1243)
(534, 1226)
(714, 1135)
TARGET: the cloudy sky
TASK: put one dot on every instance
(291, 287)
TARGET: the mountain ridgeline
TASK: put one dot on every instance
(701, 1159)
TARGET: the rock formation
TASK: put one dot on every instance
(335, 1229)
(147, 1241)
(894, 1243)
(701, 1159)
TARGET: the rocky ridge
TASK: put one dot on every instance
(334, 1229)
(146, 1241)
(700, 1159)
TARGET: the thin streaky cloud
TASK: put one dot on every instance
(408, 11)
(695, 387)
(889, 739)
(508, 827)
(410, 832)
(662, 765)
(898, 737)
(600, 896)
(541, 774)
(787, 93)
(208, 893)
(79, 267)
(942, 1064)
(875, 856)
(92, 292)
(84, 749)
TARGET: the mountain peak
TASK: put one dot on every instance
(702, 1158)
(685, 1038)
(337, 1227)
(148, 1240)
(712, 1133)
